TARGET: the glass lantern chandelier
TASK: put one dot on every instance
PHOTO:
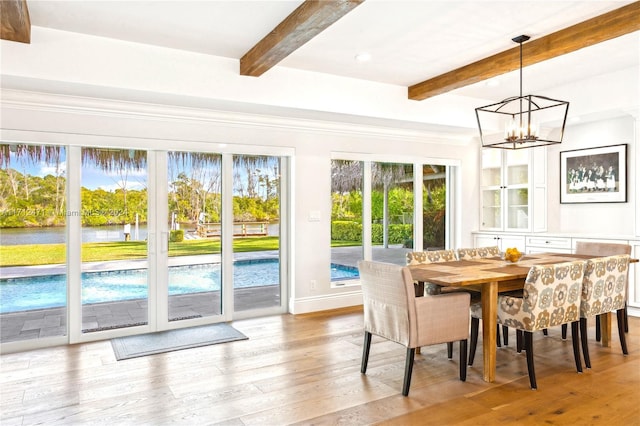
(522, 121)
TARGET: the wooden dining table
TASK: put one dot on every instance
(491, 276)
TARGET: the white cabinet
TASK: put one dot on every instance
(542, 244)
(513, 190)
(503, 241)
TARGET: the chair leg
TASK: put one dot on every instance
(463, 360)
(449, 350)
(408, 369)
(475, 325)
(626, 318)
(498, 336)
(505, 335)
(519, 341)
(365, 352)
(623, 340)
(585, 346)
(576, 345)
(564, 331)
(598, 335)
(545, 331)
(528, 347)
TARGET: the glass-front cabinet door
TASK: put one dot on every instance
(517, 188)
(505, 201)
(491, 189)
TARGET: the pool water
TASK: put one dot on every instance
(20, 294)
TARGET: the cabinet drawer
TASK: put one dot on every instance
(534, 250)
(549, 243)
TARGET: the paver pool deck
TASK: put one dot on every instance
(49, 322)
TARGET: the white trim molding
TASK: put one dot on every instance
(277, 118)
(305, 305)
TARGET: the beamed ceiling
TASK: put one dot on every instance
(430, 47)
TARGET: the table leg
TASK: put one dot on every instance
(489, 323)
(605, 329)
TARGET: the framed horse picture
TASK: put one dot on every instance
(594, 175)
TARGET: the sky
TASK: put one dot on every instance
(92, 177)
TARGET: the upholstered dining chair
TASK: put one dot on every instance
(392, 311)
(422, 257)
(604, 290)
(479, 252)
(430, 289)
(603, 249)
(551, 297)
(476, 310)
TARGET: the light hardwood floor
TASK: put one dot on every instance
(306, 370)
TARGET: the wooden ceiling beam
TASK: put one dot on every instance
(15, 24)
(601, 28)
(304, 23)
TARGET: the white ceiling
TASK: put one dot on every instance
(409, 41)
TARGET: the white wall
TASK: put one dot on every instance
(606, 219)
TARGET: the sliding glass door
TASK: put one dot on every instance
(346, 218)
(114, 280)
(194, 221)
(33, 213)
(382, 210)
(391, 211)
(257, 265)
(146, 234)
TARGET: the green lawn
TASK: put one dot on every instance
(46, 254)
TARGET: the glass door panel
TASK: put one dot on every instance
(491, 208)
(346, 219)
(491, 167)
(491, 176)
(518, 208)
(195, 211)
(256, 232)
(114, 247)
(33, 273)
(391, 211)
(517, 163)
(518, 175)
(434, 201)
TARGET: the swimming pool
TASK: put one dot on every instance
(21, 294)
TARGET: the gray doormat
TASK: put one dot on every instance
(174, 340)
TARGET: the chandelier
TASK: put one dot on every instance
(522, 121)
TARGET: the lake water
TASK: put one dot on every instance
(56, 235)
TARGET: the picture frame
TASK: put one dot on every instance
(594, 175)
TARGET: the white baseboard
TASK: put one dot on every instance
(305, 305)
(633, 311)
